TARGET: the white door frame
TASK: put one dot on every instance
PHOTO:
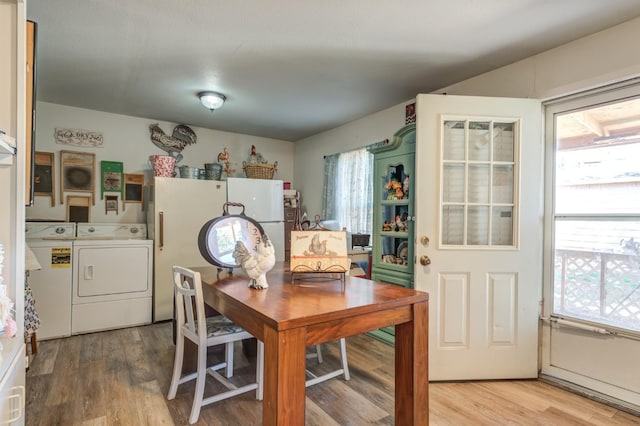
(579, 342)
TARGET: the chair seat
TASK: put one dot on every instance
(220, 325)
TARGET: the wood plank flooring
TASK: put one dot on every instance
(121, 377)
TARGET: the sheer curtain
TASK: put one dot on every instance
(348, 190)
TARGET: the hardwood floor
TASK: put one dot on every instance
(121, 377)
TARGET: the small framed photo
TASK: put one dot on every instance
(110, 204)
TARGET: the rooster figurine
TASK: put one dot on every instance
(317, 247)
(258, 264)
(173, 145)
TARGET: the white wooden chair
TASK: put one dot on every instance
(344, 370)
(205, 332)
(314, 379)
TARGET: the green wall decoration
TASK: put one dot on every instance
(111, 177)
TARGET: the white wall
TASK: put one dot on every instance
(596, 60)
(310, 152)
(602, 58)
(127, 139)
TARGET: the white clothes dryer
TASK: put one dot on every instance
(112, 277)
(52, 245)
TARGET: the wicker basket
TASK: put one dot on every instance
(259, 171)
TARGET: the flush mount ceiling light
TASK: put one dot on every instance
(212, 100)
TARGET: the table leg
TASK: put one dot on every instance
(412, 365)
(284, 377)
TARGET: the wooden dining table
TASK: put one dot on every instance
(290, 316)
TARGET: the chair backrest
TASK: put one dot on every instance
(189, 302)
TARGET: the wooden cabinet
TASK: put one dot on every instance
(393, 214)
(30, 101)
(12, 162)
(289, 222)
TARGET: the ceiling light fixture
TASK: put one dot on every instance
(212, 100)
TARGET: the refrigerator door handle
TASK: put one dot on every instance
(161, 230)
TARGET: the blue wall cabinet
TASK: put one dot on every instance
(393, 214)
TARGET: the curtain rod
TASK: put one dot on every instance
(381, 143)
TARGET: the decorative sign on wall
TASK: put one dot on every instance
(132, 189)
(79, 137)
(410, 113)
(111, 172)
(44, 175)
(77, 170)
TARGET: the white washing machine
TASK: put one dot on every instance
(112, 277)
(52, 244)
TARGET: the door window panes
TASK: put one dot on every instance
(477, 228)
(479, 141)
(479, 182)
(503, 142)
(453, 182)
(478, 185)
(454, 133)
(502, 184)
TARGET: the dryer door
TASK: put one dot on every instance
(111, 272)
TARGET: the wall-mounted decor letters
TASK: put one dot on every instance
(79, 137)
(132, 188)
(44, 175)
(77, 171)
(79, 208)
(111, 172)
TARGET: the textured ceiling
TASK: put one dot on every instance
(289, 68)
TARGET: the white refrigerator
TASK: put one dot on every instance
(263, 200)
(177, 210)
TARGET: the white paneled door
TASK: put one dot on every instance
(479, 233)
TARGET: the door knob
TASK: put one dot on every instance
(424, 240)
(425, 261)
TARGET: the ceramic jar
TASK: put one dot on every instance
(163, 165)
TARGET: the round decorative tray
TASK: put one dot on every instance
(403, 250)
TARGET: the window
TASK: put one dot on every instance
(597, 214)
(348, 190)
(479, 182)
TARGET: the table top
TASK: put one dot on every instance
(286, 305)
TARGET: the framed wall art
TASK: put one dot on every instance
(77, 173)
(44, 175)
(79, 208)
(319, 251)
(111, 173)
(110, 204)
(133, 184)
